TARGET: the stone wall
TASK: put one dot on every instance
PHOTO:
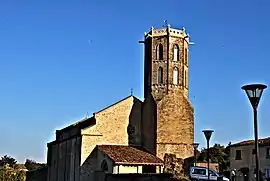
(119, 124)
(175, 126)
(174, 165)
(91, 169)
(159, 90)
(167, 63)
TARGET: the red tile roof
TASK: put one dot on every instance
(262, 141)
(130, 155)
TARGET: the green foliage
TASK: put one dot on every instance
(12, 174)
(7, 160)
(217, 154)
(11, 171)
(33, 165)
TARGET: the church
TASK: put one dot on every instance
(131, 135)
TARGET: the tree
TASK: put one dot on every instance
(11, 174)
(7, 160)
(33, 165)
(217, 154)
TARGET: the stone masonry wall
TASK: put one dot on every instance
(111, 127)
(175, 126)
(172, 63)
(159, 90)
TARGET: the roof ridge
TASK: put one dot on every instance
(251, 141)
(115, 103)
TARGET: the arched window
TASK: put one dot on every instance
(186, 56)
(160, 75)
(104, 166)
(175, 76)
(159, 51)
(175, 53)
(185, 78)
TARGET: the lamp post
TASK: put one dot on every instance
(208, 134)
(195, 146)
(254, 93)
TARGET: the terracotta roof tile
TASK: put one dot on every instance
(130, 155)
(249, 142)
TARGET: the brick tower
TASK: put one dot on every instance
(168, 118)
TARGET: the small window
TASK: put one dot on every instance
(159, 52)
(238, 155)
(160, 75)
(175, 53)
(267, 152)
(175, 76)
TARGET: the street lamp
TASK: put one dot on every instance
(208, 134)
(195, 146)
(254, 93)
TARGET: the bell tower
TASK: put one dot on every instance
(166, 61)
(168, 118)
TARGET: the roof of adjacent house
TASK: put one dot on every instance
(130, 155)
(263, 141)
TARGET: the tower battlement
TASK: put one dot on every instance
(181, 33)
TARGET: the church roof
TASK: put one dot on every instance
(129, 155)
(135, 98)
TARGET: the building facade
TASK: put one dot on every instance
(242, 159)
(162, 123)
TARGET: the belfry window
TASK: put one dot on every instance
(159, 52)
(160, 75)
(175, 53)
(175, 76)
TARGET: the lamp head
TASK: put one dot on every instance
(208, 134)
(254, 93)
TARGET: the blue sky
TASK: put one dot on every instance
(61, 59)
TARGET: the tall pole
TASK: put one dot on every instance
(254, 93)
(256, 144)
(208, 159)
